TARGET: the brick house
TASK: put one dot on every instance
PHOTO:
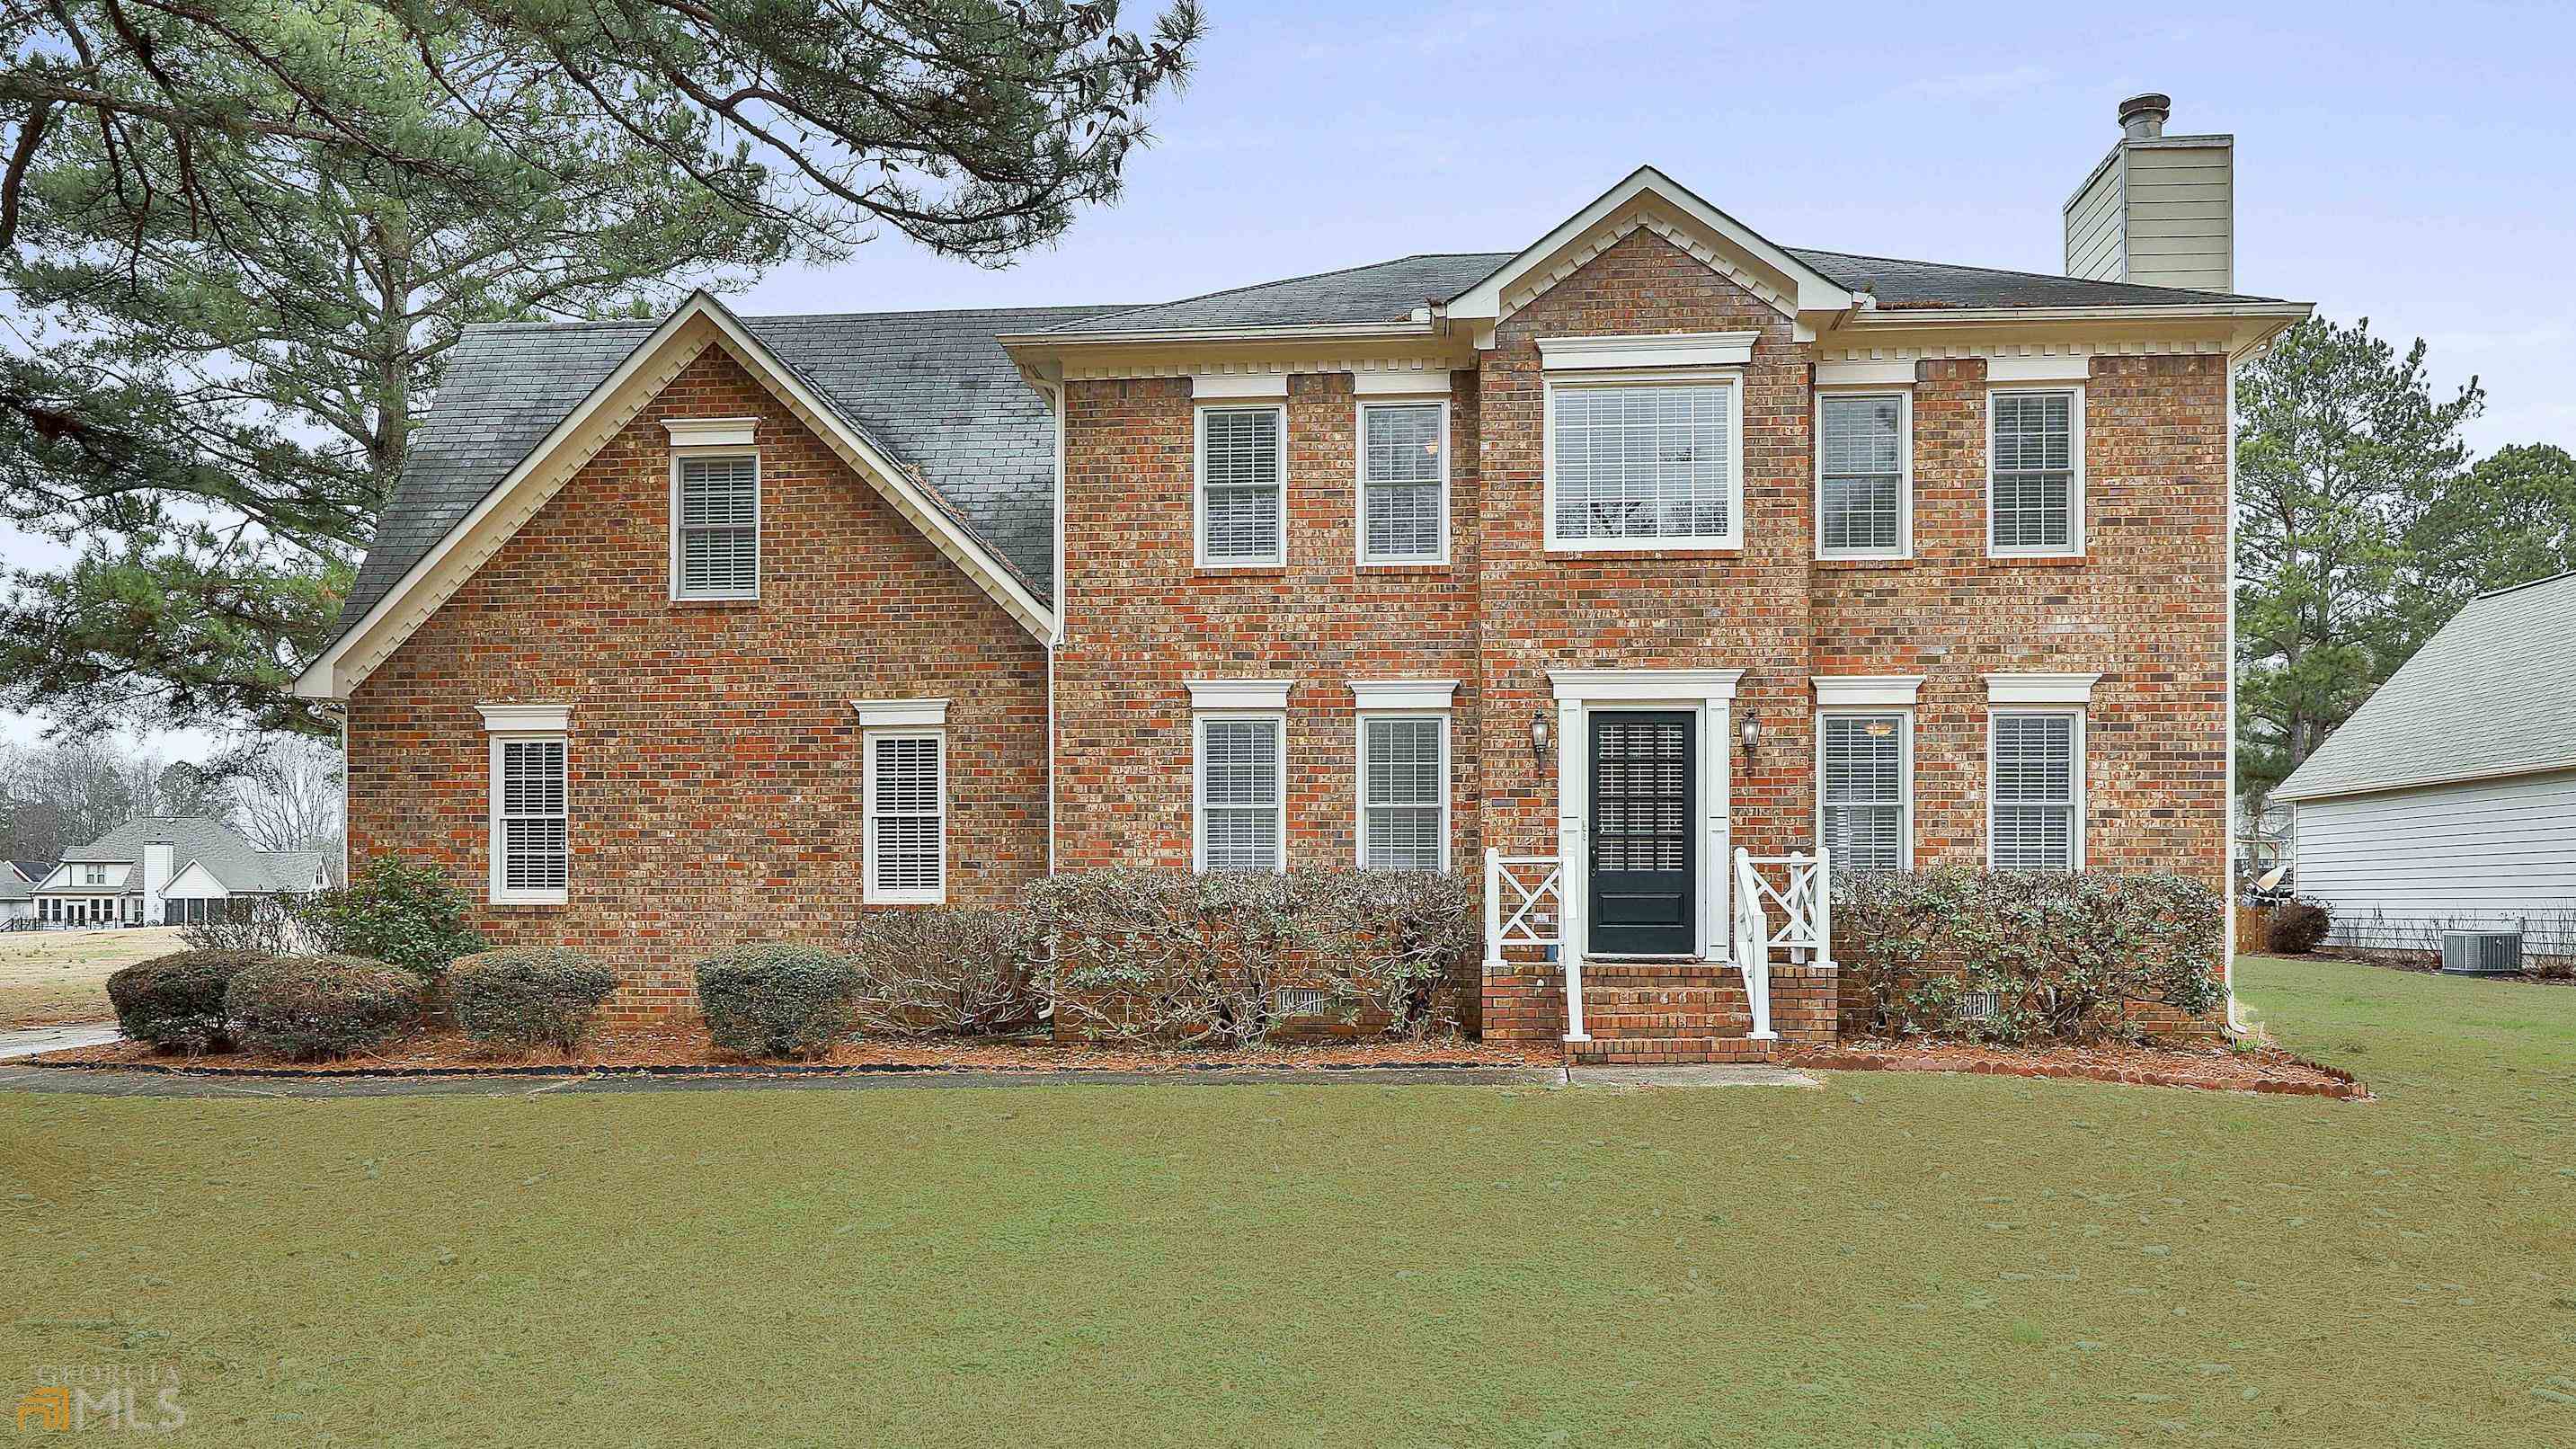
(1629, 567)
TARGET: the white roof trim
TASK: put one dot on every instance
(2040, 688)
(711, 432)
(326, 677)
(1808, 291)
(1378, 694)
(1239, 693)
(1866, 689)
(888, 713)
(526, 718)
(1667, 349)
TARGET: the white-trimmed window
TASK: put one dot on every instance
(906, 809)
(1866, 768)
(531, 819)
(1864, 453)
(1404, 482)
(715, 525)
(1242, 791)
(1242, 484)
(2035, 471)
(1404, 792)
(1644, 465)
(2035, 789)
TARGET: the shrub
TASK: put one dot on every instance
(311, 1007)
(262, 927)
(2017, 956)
(777, 999)
(403, 915)
(544, 996)
(2297, 927)
(176, 1002)
(1201, 959)
(951, 969)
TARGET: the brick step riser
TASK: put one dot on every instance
(1635, 1024)
(1671, 1050)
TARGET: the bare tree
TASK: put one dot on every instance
(60, 796)
(289, 795)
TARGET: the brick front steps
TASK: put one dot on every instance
(1642, 1012)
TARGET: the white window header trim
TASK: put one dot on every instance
(711, 432)
(2040, 688)
(1240, 385)
(1669, 349)
(2065, 367)
(526, 719)
(1403, 694)
(900, 713)
(1239, 693)
(1400, 384)
(1865, 374)
(1863, 691)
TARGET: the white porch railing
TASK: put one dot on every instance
(1525, 906)
(1805, 898)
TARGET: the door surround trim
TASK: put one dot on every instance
(1710, 693)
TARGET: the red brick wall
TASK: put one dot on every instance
(715, 765)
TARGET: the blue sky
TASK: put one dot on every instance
(2409, 166)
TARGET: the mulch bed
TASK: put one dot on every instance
(2216, 1068)
(685, 1049)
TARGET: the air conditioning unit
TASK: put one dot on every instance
(2482, 953)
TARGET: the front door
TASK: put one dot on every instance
(1644, 895)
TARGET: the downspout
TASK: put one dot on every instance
(1063, 600)
(2227, 864)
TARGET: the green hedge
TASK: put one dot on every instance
(2018, 956)
(409, 916)
(777, 1000)
(312, 1007)
(540, 996)
(176, 1002)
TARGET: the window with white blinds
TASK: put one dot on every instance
(715, 541)
(1404, 792)
(1404, 478)
(1241, 792)
(2037, 791)
(1242, 463)
(906, 810)
(1861, 483)
(531, 820)
(2035, 483)
(1643, 466)
(1865, 782)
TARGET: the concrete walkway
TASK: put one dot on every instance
(37, 1039)
(110, 1082)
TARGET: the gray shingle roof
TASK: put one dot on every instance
(14, 889)
(1389, 291)
(2493, 693)
(34, 870)
(210, 843)
(932, 388)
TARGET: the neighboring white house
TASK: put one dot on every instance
(2449, 798)
(170, 870)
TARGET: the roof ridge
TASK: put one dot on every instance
(2525, 584)
(2019, 272)
(1306, 277)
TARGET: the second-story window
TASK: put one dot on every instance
(1861, 502)
(2035, 472)
(715, 526)
(1404, 478)
(1633, 466)
(1242, 477)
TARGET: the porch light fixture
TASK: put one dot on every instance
(1538, 735)
(1752, 733)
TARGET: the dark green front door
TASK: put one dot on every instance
(1645, 787)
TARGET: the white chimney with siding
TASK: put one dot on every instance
(156, 870)
(2160, 210)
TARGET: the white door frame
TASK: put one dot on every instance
(1706, 693)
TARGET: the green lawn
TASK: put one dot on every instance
(1895, 1259)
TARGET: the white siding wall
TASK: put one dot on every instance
(2394, 869)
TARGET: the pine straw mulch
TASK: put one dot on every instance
(683, 1048)
(2264, 1068)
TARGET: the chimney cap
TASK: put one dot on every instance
(2143, 116)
